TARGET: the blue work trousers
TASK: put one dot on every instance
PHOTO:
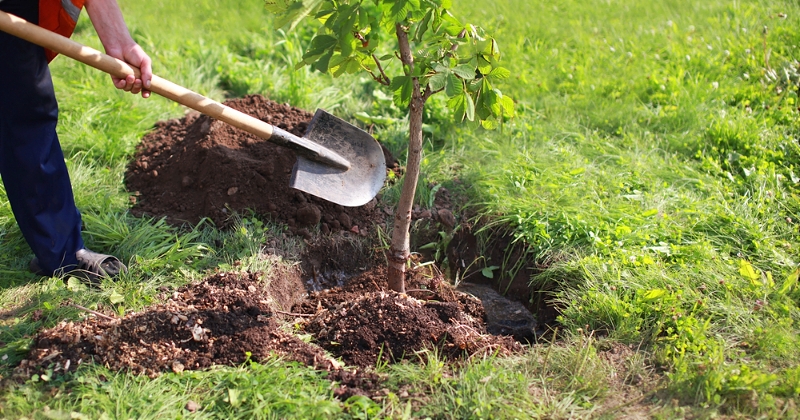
(31, 161)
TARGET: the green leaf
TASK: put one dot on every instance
(437, 81)
(489, 124)
(296, 12)
(654, 294)
(324, 14)
(454, 86)
(336, 60)
(323, 63)
(440, 68)
(484, 66)
(347, 44)
(490, 48)
(277, 6)
(459, 106)
(234, 397)
(423, 26)
(748, 271)
(116, 298)
(75, 285)
(319, 45)
(402, 86)
(499, 73)
(400, 10)
(398, 82)
(789, 283)
(465, 71)
(353, 66)
(488, 272)
(363, 19)
(470, 107)
(331, 20)
(338, 65)
(488, 101)
(407, 90)
(348, 25)
(508, 105)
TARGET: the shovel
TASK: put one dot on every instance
(336, 161)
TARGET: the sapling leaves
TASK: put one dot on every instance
(470, 107)
(459, 106)
(291, 13)
(438, 81)
(464, 71)
(402, 86)
(499, 73)
(319, 45)
(434, 52)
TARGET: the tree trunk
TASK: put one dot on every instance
(400, 251)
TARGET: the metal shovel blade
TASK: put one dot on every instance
(353, 187)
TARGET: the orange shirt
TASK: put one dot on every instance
(59, 16)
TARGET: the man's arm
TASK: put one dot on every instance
(118, 43)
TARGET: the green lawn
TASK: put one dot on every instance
(652, 170)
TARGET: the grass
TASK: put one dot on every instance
(652, 167)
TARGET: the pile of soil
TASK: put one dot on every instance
(363, 326)
(215, 322)
(196, 167)
(229, 317)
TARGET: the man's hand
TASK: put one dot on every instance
(135, 56)
(110, 26)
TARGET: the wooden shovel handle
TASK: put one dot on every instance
(23, 29)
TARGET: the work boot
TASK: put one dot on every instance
(92, 267)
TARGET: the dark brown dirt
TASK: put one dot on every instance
(216, 322)
(229, 318)
(196, 167)
(364, 326)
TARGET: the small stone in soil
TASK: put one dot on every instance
(447, 218)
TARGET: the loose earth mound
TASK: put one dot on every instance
(196, 167)
(229, 317)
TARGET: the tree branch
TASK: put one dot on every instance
(385, 80)
(428, 92)
(376, 78)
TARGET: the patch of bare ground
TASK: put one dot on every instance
(230, 318)
(633, 384)
(364, 326)
(223, 320)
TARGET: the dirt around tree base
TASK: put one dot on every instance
(363, 326)
(229, 317)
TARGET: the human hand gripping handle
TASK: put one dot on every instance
(110, 26)
(125, 72)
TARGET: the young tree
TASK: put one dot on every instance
(437, 54)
